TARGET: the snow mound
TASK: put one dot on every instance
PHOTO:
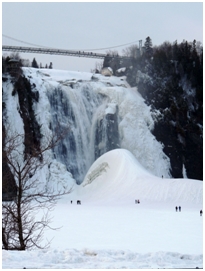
(118, 176)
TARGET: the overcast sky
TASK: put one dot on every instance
(93, 25)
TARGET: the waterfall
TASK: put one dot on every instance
(106, 131)
(100, 114)
(92, 128)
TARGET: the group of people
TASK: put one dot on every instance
(137, 201)
(178, 208)
(78, 201)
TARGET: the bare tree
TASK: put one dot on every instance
(15, 55)
(98, 67)
(21, 226)
(112, 52)
(25, 63)
(131, 51)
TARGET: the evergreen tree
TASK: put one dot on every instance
(148, 46)
(34, 64)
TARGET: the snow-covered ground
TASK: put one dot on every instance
(108, 230)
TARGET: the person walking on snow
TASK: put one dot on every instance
(179, 208)
(176, 208)
(201, 212)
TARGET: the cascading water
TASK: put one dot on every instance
(92, 130)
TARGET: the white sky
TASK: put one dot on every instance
(81, 25)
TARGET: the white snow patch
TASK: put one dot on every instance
(121, 69)
(111, 108)
(184, 172)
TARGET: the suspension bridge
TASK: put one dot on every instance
(76, 53)
(61, 52)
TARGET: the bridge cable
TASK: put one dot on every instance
(23, 41)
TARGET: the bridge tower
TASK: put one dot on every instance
(140, 46)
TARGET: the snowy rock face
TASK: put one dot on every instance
(100, 114)
(174, 90)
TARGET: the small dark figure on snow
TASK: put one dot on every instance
(179, 208)
(138, 201)
(78, 202)
(176, 208)
(71, 201)
(201, 212)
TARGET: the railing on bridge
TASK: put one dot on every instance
(60, 52)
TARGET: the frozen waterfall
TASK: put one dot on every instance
(93, 130)
(100, 113)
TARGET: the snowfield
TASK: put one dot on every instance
(108, 230)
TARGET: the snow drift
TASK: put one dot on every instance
(117, 176)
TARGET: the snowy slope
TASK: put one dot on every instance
(117, 177)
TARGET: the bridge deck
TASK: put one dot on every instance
(59, 52)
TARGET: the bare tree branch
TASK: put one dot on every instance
(21, 227)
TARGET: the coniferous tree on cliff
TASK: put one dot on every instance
(34, 64)
(148, 46)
